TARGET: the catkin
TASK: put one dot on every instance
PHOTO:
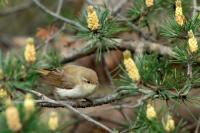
(53, 121)
(12, 117)
(170, 124)
(192, 42)
(131, 67)
(150, 112)
(180, 18)
(30, 52)
(3, 93)
(149, 3)
(92, 19)
(29, 105)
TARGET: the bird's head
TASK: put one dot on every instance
(89, 79)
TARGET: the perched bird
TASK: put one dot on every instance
(71, 81)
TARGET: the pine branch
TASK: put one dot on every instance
(123, 45)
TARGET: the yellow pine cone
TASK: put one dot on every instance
(53, 121)
(170, 124)
(180, 18)
(92, 19)
(149, 3)
(3, 93)
(150, 112)
(30, 52)
(29, 105)
(12, 118)
(179, 10)
(192, 42)
(130, 66)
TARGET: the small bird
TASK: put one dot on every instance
(71, 81)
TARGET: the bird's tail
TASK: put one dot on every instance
(43, 72)
(50, 77)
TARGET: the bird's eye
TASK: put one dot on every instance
(87, 81)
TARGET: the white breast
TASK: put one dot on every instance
(77, 92)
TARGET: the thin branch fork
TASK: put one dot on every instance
(49, 12)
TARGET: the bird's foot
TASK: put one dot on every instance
(89, 100)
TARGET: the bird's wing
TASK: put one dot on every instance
(56, 78)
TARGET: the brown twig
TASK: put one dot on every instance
(45, 101)
(83, 104)
(123, 45)
(79, 54)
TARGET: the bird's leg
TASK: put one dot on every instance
(89, 100)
